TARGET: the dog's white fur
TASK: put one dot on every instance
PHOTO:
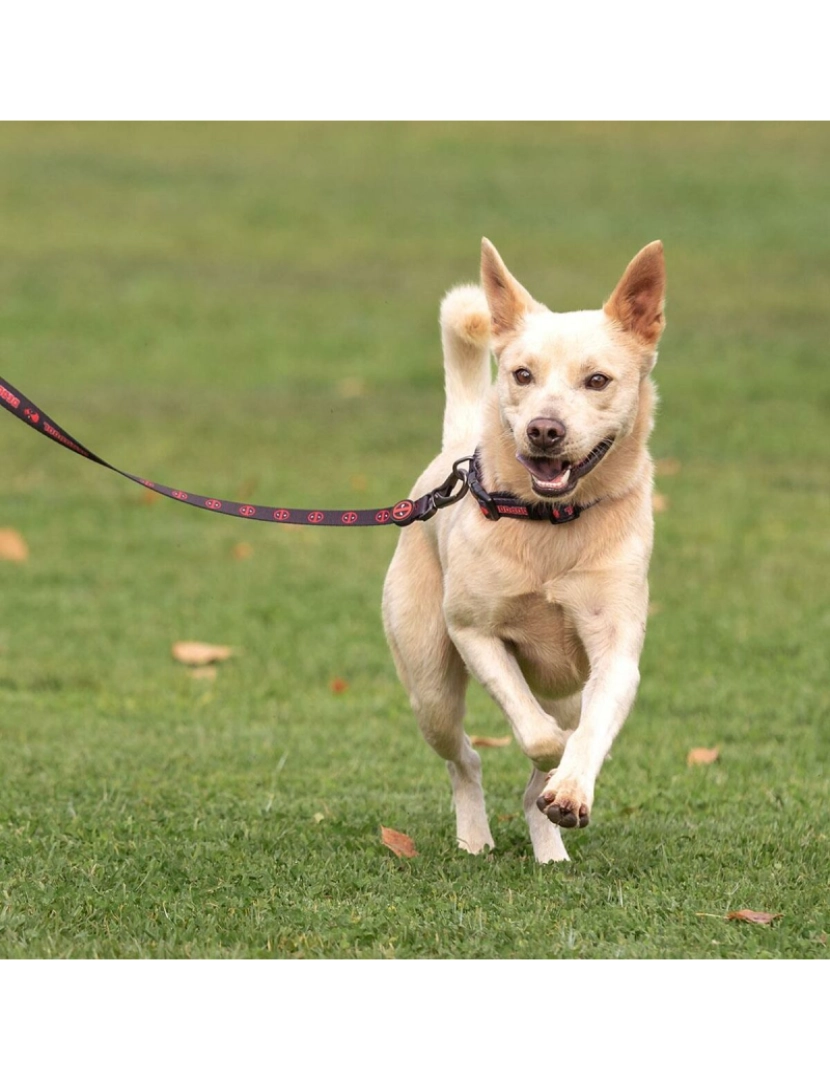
(549, 619)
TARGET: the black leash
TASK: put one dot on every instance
(494, 505)
(402, 513)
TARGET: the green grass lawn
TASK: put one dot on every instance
(251, 312)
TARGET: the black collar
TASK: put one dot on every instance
(497, 504)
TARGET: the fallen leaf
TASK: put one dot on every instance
(490, 740)
(242, 551)
(669, 466)
(338, 686)
(148, 497)
(398, 842)
(659, 502)
(702, 755)
(318, 817)
(202, 673)
(197, 653)
(12, 546)
(763, 918)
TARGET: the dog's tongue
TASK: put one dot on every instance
(545, 469)
(551, 475)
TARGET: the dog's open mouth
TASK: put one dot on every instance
(556, 477)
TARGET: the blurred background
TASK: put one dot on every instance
(250, 311)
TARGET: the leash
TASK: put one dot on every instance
(493, 505)
(403, 512)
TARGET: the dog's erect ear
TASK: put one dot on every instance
(507, 299)
(637, 302)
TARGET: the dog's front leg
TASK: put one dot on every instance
(487, 657)
(612, 633)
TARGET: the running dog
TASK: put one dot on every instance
(546, 607)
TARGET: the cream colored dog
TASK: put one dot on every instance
(550, 618)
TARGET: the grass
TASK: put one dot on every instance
(251, 312)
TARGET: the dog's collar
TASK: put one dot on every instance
(498, 504)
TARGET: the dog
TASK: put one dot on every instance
(548, 615)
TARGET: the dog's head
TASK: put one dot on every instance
(569, 385)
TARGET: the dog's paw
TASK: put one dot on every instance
(565, 803)
(477, 846)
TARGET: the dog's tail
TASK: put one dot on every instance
(465, 335)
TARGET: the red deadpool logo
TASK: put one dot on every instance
(32, 417)
(316, 516)
(281, 515)
(247, 511)
(349, 518)
(213, 504)
(148, 483)
(179, 495)
(382, 516)
(402, 510)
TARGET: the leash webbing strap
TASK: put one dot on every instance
(402, 513)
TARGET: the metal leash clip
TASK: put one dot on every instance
(445, 495)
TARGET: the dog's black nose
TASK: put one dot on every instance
(545, 433)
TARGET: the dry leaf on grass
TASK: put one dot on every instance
(702, 755)
(398, 842)
(763, 918)
(12, 546)
(148, 497)
(659, 502)
(490, 740)
(197, 653)
(338, 686)
(669, 466)
(242, 550)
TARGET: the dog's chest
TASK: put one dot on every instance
(543, 640)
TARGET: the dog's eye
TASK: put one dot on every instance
(597, 381)
(522, 376)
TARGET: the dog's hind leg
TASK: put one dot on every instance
(436, 680)
(544, 835)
